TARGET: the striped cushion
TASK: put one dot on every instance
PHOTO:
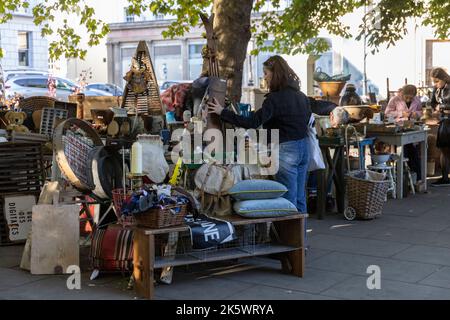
(112, 249)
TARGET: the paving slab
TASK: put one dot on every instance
(440, 278)
(270, 293)
(314, 281)
(426, 254)
(419, 237)
(358, 245)
(200, 288)
(55, 288)
(415, 223)
(390, 269)
(356, 288)
(10, 278)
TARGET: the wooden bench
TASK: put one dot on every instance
(290, 250)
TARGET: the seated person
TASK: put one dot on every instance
(338, 117)
(405, 105)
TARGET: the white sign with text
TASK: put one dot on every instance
(18, 216)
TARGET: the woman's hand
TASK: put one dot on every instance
(405, 115)
(215, 107)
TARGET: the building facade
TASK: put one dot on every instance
(22, 43)
(410, 60)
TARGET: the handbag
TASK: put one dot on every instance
(316, 159)
(214, 178)
(214, 181)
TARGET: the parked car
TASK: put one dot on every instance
(36, 85)
(106, 87)
(12, 73)
(167, 84)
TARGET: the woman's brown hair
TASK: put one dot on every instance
(281, 73)
(409, 89)
(441, 74)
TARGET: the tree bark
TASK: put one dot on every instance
(232, 29)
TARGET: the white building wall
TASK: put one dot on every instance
(38, 46)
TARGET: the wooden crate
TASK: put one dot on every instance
(21, 167)
(21, 173)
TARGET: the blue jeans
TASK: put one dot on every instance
(293, 171)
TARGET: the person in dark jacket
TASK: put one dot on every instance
(286, 109)
(440, 100)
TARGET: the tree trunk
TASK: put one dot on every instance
(232, 29)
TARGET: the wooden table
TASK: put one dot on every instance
(290, 230)
(400, 140)
(334, 172)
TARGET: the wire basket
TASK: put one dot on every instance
(119, 197)
(170, 215)
(366, 191)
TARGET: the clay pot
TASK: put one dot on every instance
(331, 88)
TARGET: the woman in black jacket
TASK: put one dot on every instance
(441, 100)
(287, 110)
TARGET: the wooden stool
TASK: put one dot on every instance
(396, 158)
(389, 170)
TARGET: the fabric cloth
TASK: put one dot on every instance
(207, 232)
(287, 110)
(293, 170)
(397, 107)
(176, 96)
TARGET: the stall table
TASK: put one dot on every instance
(400, 140)
(291, 234)
(334, 172)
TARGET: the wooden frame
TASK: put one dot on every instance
(290, 250)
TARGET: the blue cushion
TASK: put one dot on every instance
(264, 208)
(257, 189)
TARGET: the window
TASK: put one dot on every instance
(63, 85)
(21, 82)
(129, 17)
(37, 83)
(195, 60)
(436, 55)
(168, 62)
(24, 45)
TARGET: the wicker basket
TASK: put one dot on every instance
(366, 197)
(171, 215)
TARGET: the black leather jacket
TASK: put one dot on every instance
(288, 110)
(441, 97)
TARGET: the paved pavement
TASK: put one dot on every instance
(410, 244)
